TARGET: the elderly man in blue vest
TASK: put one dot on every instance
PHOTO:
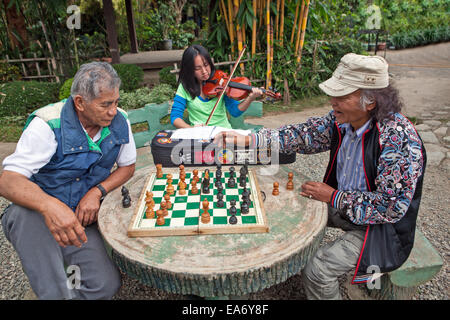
(373, 182)
(56, 180)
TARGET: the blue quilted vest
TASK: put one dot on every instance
(78, 163)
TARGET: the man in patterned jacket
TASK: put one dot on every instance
(373, 182)
(57, 178)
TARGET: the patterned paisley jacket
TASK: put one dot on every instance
(394, 162)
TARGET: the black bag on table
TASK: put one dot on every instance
(189, 152)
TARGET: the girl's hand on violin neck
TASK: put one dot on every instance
(256, 93)
(231, 138)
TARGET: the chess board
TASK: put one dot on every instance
(184, 217)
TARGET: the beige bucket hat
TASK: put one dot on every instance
(357, 72)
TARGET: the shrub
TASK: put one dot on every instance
(165, 77)
(19, 98)
(131, 75)
(64, 91)
(139, 98)
(9, 72)
(417, 38)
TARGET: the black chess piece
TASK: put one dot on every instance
(126, 201)
(232, 172)
(124, 191)
(231, 182)
(220, 202)
(242, 180)
(245, 193)
(233, 210)
(205, 186)
(244, 207)
(232, 220)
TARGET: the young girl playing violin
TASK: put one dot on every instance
(196, 68)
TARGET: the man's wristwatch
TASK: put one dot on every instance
(103, 191)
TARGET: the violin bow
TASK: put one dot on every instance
(226, 84)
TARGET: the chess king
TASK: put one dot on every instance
(56, 180)
(373, 182)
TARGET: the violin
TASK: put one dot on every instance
(238, 87)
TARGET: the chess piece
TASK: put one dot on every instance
(233, 219)
(170, 189)
(182, 179)
(126, 202)
(163, 207)
(149, 213)
(169, 178)
(205, 217)
(233, 209)
(232, 171)
(220, 202)
(182, 190)
(290, 184)
(194, 189)
(181, 169)
(242, 179)
(167, 199)
(205, 184)
(148, 195)
(195, 177)
(244, 207)
(159, 173)
(160, 221)
(231, 182)
(149, 199)
(275, 191)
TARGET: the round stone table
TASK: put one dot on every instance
(218, 265)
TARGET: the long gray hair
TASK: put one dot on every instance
(92, 78)
(387, 102)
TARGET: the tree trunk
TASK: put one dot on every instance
(16, 27)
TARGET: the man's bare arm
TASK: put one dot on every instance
(89, 205)
(59, 218)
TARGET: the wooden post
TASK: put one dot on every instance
(131, 26)
(23, 66)
(36, 63)
(110, 20)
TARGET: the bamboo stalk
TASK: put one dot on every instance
(238, 31)
(230, 15)
(305, 20)
(223, 12)
(271, 51)
(277, 19)
(282, 23)
(254, 2)
(295, 22)
(299, 26)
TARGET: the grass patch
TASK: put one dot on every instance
(11, 128)
(295, 106)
